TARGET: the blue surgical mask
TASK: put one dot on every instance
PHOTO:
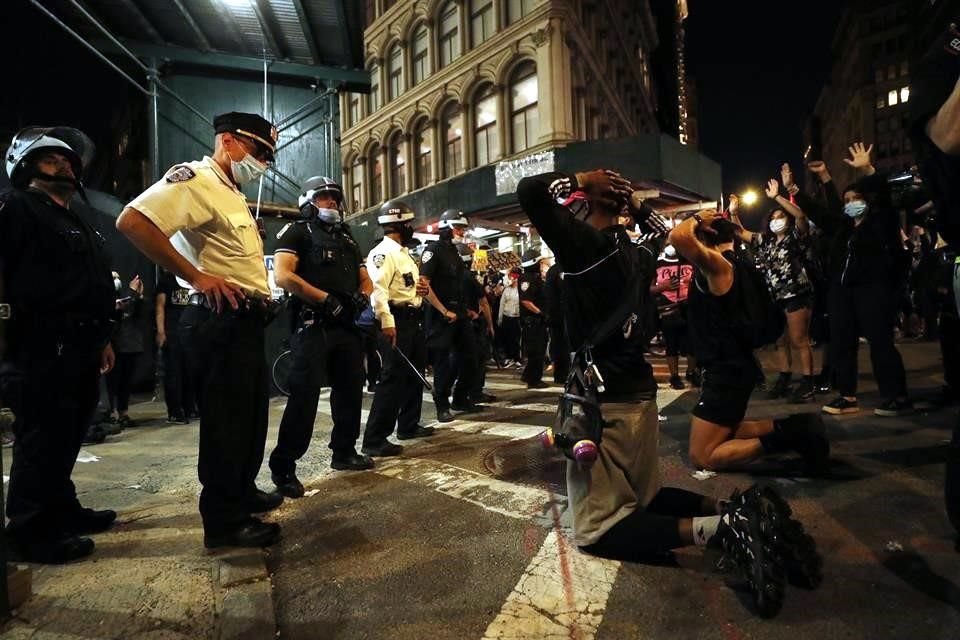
(248, 169)
(329, 216)
(855, 208)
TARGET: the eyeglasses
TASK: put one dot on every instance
(253, 148)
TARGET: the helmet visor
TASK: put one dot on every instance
(53, 138)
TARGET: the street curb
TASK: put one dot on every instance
(244, 596)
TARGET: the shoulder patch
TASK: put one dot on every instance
(284, 230)
(524, 286)
(180, 173)
(426, 257)
(378, 260)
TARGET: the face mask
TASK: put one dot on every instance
(459, 240)
(329, 216)
(406, 234)
(670, 251)
(247, 170)
(117, 284)
(855, 208)
(778, 225)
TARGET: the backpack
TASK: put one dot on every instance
(763, 319)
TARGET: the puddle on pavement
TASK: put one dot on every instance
(527, 462)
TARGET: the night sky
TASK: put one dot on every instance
(758, 67)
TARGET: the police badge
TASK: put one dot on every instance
(378, 260)
(524, 286)
(426, 257)
(180, 173)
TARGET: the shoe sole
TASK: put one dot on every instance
(839, 412)
(379, 454)
(797, 548)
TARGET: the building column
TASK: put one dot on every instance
(554, 83)
(469, 142)
(503, 120)
(385, 177)
(436, 161)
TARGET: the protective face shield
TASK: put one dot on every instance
(777, 225)
(247, 170)
(530, 258)
(309, 193)
(855, 208)
(27, 146)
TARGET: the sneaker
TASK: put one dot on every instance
(803, 392)
(892, 408)
(676, 383)
(796, 547)
(745, 537)
(177, 418)
(95, 435)
(806, 434)
(781, 388)
(840, 406)
(822, 382)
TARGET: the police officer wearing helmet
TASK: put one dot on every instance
(533, 322)
(57, 282)
(195, 222)
(446, 322)
(397, 307)
(317, 260)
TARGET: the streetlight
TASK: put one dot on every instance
(749, 197)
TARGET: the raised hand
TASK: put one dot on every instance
(859, 156)
(734, 206)
(605, 186)
(786, 175)
(773, 188)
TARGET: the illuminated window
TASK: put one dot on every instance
(524, 115)
(421, 61)
(904, 94)
(904, 68)
(881, 102)
(373, 99)
(376, 176)
(356, 186)
(453, 140)
(891, 72)
(481, 21)
(354, 109)
(398, 169)
(395, 72)
(421, 139)
(892, 97)
(485, 127)
(449, 34)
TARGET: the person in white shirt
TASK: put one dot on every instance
(396, 302)
(508, 318)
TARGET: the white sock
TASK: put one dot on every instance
(704, 529)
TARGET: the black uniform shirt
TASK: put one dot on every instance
(328, 257)
(177, 298)
(54, 262)
(531, 290)
(441, 263)
(472, 291)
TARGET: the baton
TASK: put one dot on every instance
(426, 385)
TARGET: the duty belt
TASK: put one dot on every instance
(249, 304)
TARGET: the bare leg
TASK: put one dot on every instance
(783, 354)
(798, 328)
(715, 447)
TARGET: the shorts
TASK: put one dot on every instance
(725, 392)
(797, 302)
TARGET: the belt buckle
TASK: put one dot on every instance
(5, 311)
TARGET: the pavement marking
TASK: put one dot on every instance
(504, 429)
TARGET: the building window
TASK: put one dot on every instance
(421, 60)
(453, 140)
(892, 97)
(879, 75)
(481, 21)
(395, 72)
(904, 68)
(904, 94)
(516, 9)
(891, 72)
(449, 34)
(356, 185)
(421, 138)
(524, 118)
(370, 12)
(373, 98)
(485, 127)
(881, 102)
(398, 168)
(376, 176)
(354, 109)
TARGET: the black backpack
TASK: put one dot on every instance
(763, 319)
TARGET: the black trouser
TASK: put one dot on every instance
(484, 353)
(534, 348)
(231, 374)
(399, 396)
(465, 355)
(952, 480)
(372, 356)
(559, 352)
(449, 344)
(53, 398)
(120, 380)
(868, 310)
(322, 356)
(510, 337)
(178, 385)
(651, 530)
(950, 350)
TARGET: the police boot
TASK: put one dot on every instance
(87, 521)
(351, 461)
(444, 415)
(287, 484)
(46, 551)
(261, 501)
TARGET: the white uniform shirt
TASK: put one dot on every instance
(394, 275)
(509, 303)
(207, 220)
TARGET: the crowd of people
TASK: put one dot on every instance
(610, 277)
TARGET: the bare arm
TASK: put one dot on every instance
(487, 313)
(434, 301)
(161, 317)
(529, 306)
(798, 215)
(742, 233)
(716, 268)
(943, 128)
(366, 284)
(285, 267)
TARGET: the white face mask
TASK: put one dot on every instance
(777, 225)
(247, 170)
(670, 251)
(117, 284)
(329, 216)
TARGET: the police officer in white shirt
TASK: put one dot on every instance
(397, 306)
(195, 222)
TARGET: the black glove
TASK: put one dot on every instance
(360, 302)
(332, 309)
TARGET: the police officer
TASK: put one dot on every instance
(466, 355)
(397, 307)
(178, 387)
(195, 222)
(56, 276)
(533, 323)
(446, 319)
(318, 261)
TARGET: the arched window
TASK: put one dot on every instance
(449, 34)
(356, 185)
(421, 138)
(396, 156)
(524, 118)
(354, 109)
(394, 72)
(516, 9)
(421, 57)
(376, 175)
(485, 126)
(373, 98)
(481, 21)
(452, 129)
